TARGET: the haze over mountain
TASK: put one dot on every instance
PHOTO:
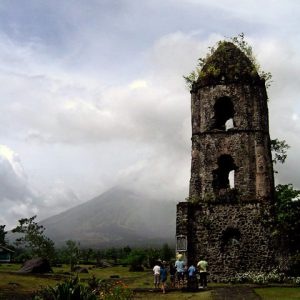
(118, 217)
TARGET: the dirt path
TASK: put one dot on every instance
(234, 293)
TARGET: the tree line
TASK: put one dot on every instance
(32, 242)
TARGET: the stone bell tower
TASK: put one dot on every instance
(226, 219)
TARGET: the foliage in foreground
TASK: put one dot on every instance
(97, 289)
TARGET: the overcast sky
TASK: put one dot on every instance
(92, 94)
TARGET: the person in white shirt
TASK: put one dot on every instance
(156, 273)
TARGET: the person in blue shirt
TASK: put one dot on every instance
(192, 278)
(192, 271)
(180, 269)
(163, 276)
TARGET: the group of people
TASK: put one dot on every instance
(160, 275)
(179, 272)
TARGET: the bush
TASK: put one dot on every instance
(96, 289)
(114, 291)
(68, 290)
(273, 276)
(296, 280)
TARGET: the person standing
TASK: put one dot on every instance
(156, 274)
(192, 279)
(180, 269)
(202, 266)
(163, 276)
(172, 274)
(192, 271)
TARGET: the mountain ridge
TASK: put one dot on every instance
(118, 217)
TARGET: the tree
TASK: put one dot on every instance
(136, 260)
(167, 253)
(2, 234)
(287, 221)
(279, 150)
(33, 238)
(73, 253)
(126, 250)
(112, 253)
(86, 255)
(152, 256)
(99, 255)
(287, 212)
(287, 208)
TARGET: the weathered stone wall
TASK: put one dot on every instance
(229, 226)
(249, 103)
(233, 238)
(253, 167)
(248, 142)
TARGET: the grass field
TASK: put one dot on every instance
(278, 293)
(22, 286)
(11, 282)
(207, 295)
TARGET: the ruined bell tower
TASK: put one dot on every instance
(226, 219)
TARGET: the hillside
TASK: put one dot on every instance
(117, 217)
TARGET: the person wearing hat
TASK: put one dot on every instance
(180, 269)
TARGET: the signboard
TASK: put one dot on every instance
(181, 243)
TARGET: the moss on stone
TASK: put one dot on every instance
(227, 64)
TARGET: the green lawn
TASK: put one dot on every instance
(12, 283)
(278, 293)
(27, 283)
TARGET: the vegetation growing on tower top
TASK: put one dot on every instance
(231, 60)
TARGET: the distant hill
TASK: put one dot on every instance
(118, 217)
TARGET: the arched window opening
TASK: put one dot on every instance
(230, 238)
(221, 177)
(224, 112)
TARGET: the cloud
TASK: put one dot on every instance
(20, 199)
(138, 84)
(14, 184)
(57, 198)
(53, 111)
(283, 61)
(90, 104)
(16, 196)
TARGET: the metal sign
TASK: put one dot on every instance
(181, 243)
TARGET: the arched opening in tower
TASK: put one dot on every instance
(223, 176)
(230, 238)
(224, 113)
